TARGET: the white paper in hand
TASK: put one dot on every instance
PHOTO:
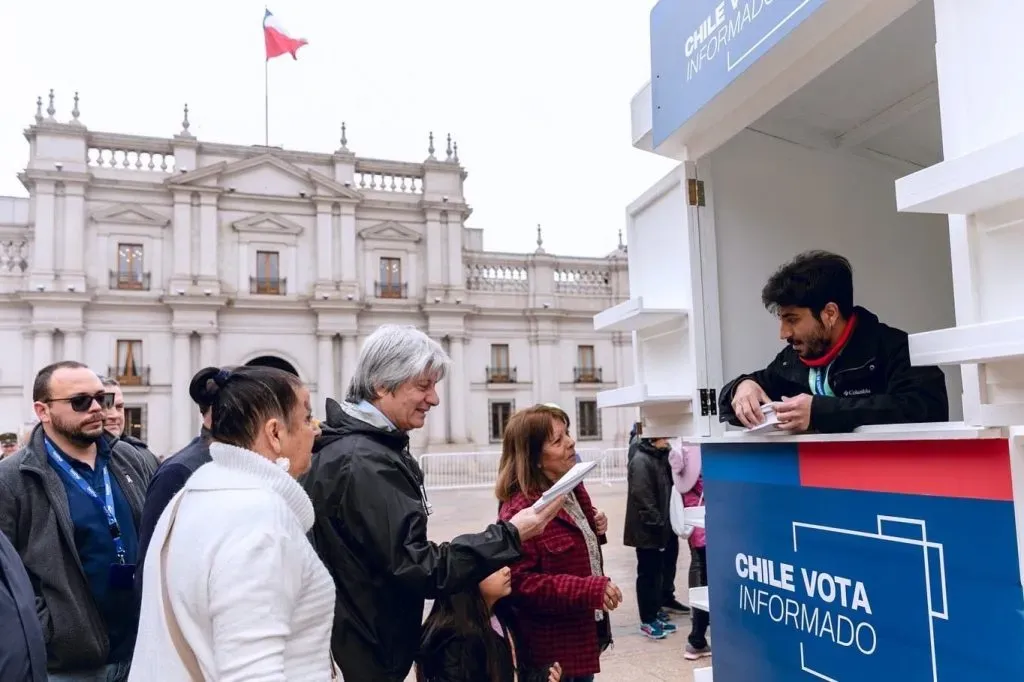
(770, 423)
(566, 483)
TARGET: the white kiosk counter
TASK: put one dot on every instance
(888, 131)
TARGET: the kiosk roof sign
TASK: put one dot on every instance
(698, 47)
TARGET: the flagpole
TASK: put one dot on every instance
(266, 103)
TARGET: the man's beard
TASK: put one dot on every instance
(75, 434)
(817, 346)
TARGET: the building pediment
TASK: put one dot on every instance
(265, 174)
(130, 214)
(390, 231)
(267, 223)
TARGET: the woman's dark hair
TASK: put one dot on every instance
(811, 280)
(243, 399)
(465, 615)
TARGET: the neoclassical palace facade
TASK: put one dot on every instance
(149, 257)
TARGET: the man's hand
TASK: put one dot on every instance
(531, 523)
(600, 522)
(794, 413)
(747, 400)
(612, 596)
(555, 673)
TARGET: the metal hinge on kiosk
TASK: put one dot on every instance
(695, 192)
(708, 402)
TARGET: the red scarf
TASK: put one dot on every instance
(836, 348)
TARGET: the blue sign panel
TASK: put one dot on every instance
(817, 583)
(698, 47)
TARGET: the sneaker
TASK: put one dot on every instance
(664, 616)
(652, 630)
(673, 606)
(666, 627)
(692, 653)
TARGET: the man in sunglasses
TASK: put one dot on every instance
(81, 567)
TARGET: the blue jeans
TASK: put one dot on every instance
(114, 672)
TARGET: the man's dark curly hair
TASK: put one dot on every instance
(811, 280)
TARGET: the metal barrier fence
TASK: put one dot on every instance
(468, 470)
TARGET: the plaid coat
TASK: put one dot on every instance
(554, 594)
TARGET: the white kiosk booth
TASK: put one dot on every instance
(891, 132)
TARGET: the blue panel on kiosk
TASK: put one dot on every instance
(698, 47)
(821, 583)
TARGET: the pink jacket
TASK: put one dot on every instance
(688, 482)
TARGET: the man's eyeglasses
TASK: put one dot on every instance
(83, 401)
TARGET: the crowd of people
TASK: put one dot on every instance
(276, 547)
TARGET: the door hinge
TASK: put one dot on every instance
(708, 402)
(695, 192)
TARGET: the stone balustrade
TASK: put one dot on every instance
(389, 176)
(517, 273)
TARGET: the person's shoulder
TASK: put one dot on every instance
(10, 467)
(515, 504)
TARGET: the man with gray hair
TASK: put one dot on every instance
(371, 510)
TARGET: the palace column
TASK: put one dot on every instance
(457, 389)
(325, 374)
(182, 407)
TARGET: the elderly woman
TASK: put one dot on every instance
(371, 510)
(233, 590)
(560, 595)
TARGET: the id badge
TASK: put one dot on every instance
(122, 576)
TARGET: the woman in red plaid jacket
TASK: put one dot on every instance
(560, 596)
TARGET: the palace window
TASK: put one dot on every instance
(129, 274)
(390, 284)
(135, 422)
(129, 370)
(268, 278)
(587, 371)
(500, 412)
(588, 420)
(499, 371)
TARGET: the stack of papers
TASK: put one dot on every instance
(770, 423)
(570, 480)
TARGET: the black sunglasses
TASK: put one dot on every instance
(83, 401)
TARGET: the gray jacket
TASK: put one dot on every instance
(34, 514)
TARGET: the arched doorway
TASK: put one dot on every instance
(273, 361)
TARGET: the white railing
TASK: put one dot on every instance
(466, 470)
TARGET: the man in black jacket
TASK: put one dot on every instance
(842, 368)
(173, 472)
(648, 530)
(371, 510)
(70, 504)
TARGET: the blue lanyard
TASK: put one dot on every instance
(820, 378)
(107, 504)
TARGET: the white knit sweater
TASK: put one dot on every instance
(250, 595)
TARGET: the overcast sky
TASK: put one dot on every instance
(535, 92)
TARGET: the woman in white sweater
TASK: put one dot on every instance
(233, 590)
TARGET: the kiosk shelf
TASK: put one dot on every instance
(699, 599)
(633, 315)
(969, 343)
(703, 675)
(971, 183)
(641, 394)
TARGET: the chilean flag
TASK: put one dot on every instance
(277, 39)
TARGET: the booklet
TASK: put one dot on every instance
(566, 483)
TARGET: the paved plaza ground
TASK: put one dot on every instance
(633, 658)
